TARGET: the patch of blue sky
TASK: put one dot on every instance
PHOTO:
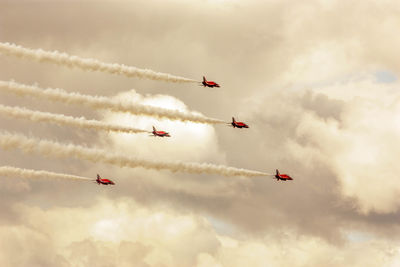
(221, 227)
(385, 76)
(356, 236)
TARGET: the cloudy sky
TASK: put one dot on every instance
(316, 80)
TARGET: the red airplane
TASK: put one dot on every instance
(209, 83)
(102, 181)
(283, 177)
(159, 133)
(238, 124)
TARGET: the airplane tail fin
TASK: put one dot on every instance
(277, 172)
(98, 176)
(204, 79)
(154, 129)
(233, 119)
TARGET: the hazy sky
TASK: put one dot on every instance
(316, 80)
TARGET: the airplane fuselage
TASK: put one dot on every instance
(210, 84)
(161, 134)
(283, 177)
(239, 125)
(105, 182)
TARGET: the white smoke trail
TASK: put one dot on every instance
(50, 148)
(101, 102)
(60, 119)
(87, 64)
(8, 171)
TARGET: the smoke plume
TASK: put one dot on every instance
(60, 119)
(101, 102)
(50, 148)
(87, 64)
(8, 171)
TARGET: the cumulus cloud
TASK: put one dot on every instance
(361, 145)
(192, 141)
(351, 127)
(122, 232)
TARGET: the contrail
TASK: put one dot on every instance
(8, 171)
(87, 64)
(60, 119)
(50, 148)
(101, 102)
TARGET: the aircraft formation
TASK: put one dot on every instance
(235, 124)
(64, 59)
